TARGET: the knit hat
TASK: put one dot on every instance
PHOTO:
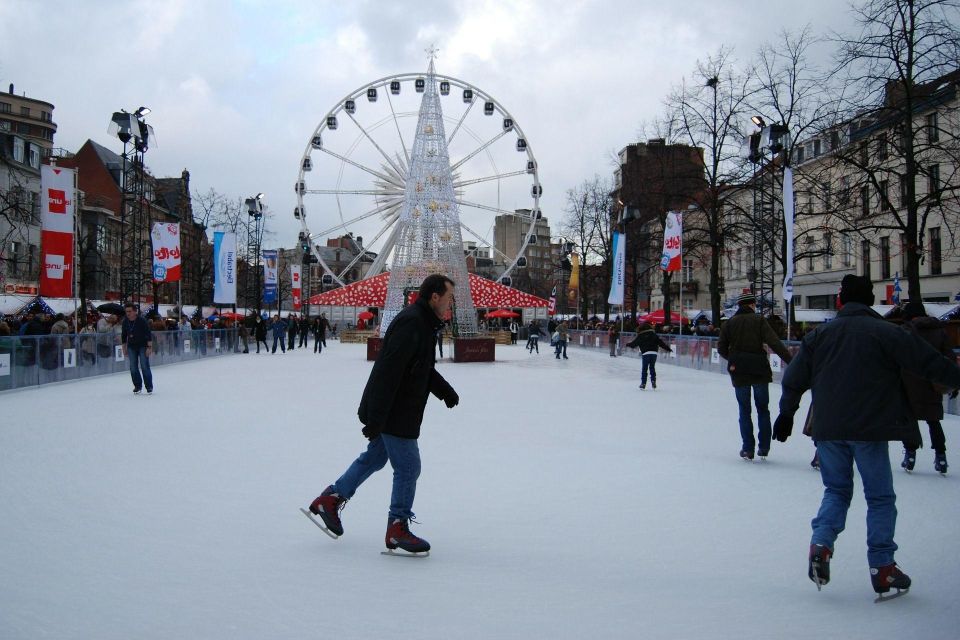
(856, 289)
(913, 310)
(746, 298)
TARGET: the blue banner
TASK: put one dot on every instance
(270, 260)
(225, 267)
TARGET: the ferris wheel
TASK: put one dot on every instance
(354, 172)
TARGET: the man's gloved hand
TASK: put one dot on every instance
(371, 431)
(782, 427)
(452, 399)
(953, 394)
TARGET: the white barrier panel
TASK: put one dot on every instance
(118, 353)
(597, 341)
(775, 362)
(186, 345)
(581, 339)
(714, 356)
(69, 358)
(4, 364)
(216, 345)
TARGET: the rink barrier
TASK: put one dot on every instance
(697, 352)
(30, 361)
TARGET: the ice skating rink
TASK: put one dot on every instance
(561, 502)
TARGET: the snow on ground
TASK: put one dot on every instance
(561, 502)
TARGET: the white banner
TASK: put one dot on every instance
(225, 267)
(165, 238)
(670, 260)
(617, 278)
(788, 220)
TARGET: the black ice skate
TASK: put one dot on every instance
(909, 460)
(889, 577)
(328, 506)
(819, 568)
(746, 454)
(940, 463)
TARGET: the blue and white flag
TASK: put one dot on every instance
(270, 261)
(225, 267)
(896, 288)
(616, 280)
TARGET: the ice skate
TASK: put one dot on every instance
(889, 577)
(909, 460)
(746, 454)
(819, 567)
(940, 463)
(328, 505)
(401, 542)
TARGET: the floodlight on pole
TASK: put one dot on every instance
(759, 121)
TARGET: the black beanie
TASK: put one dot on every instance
(856, 289)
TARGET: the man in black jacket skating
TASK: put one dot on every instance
(391, 411)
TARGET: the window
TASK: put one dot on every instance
(884, 193)
(820, 302)
(34, 156)
(687, 270)
(904, 264)
(834, 140)
(864, 201)
(810, 253)
(936, 256)
(25, 111)
(816, 148)
(739, 270)
(846, 251)
(5, 107)
(828, 250)
(864, 153)
(799, 154)
(885, 257)
(18, 149)
(23, 128)
(827, 199)
(843, 197)
(933, 181)
(904, 196)
(45, 116)
(14, 258)
(883, 152)
(933, 128)
(865, 258)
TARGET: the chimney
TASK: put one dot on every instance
(11, 88)
(359, 241)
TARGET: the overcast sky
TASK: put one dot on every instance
(238, 87)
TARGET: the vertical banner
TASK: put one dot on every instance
(574, 285)
(788, 221)
(617, 277)
(295, 285)
(552, 307)
(225, 267)
(165, 238)
(56, 235)
(270, 276)
(670, 260)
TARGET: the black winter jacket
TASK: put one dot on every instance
(747, 332)
(648, 342)
(403, 376)
(852, 365)
(926, 400)
(135, 333)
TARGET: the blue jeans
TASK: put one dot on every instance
(648, 363)
(404, 457)
(561, 348)
(138, 359)
(279, 339)
(761, 397)
(836, 470)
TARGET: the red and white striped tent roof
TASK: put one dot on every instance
(372, 292)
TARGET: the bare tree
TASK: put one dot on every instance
(588, 224)
(900, 65)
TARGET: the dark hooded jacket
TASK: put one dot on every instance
(747, 332)
(852, 364)
(926, 399)
(403, 375)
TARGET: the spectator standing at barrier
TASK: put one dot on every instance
(852, 365)
(741, 343)
(648, 342)
(88, 343)
(613, 337)
(926, 399)
(137, 341)
(108, 330)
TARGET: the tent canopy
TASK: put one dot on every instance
(372, 292)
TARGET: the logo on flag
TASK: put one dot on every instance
(552, 307)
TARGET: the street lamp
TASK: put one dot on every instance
(255, 213)
(136, 136)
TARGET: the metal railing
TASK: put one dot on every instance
(29, 361)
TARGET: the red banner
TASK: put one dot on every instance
(295, 285)
(56, 235)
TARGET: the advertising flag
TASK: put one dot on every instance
(225, 267)
(670, 260)
(295, 285)
(165, 238)
(617, 277)
(574, 285)
(270, 259)
(788, 220)
(552, 307)
(56, 234)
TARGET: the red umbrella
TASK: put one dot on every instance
(656, 317)
(230, 315)
(503, 313)
(365, 315)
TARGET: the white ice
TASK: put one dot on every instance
(561, 502)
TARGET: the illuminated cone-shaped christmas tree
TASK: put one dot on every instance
(428, 239)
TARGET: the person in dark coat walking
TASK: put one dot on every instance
(533, 339)
(391, 410)
(279, 329)
(292, 328)
(741, 343)
(260, 334)
(320, 334)
(648, 342)
(852, 366)
(137, 344)
(303, 328)
(926, 400)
